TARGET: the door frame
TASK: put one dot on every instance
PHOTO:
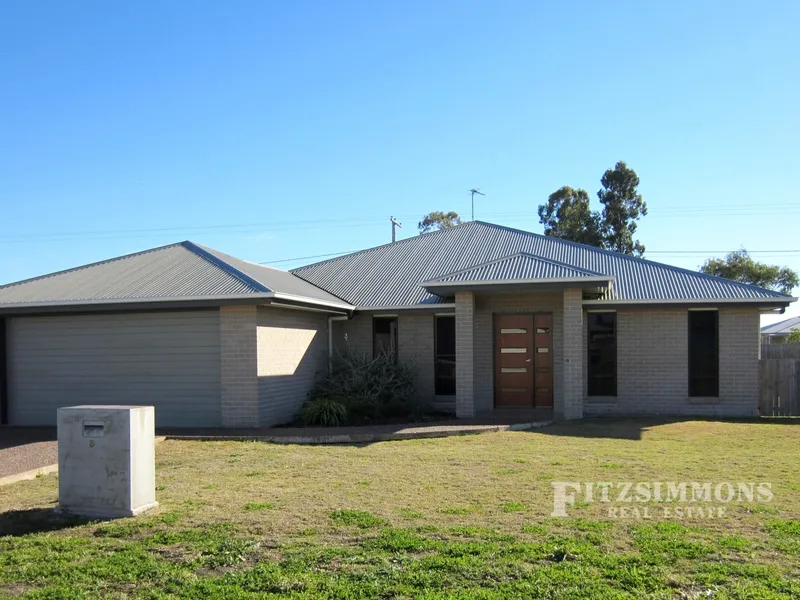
(533, 358)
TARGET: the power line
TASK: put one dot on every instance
(688, 252)
(672, 212)
(285, 260)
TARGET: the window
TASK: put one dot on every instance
(384, 335)
(445, 356)
(703, 353)
(602, 354)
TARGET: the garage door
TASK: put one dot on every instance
(170, 360)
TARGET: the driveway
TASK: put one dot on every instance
(26, 448)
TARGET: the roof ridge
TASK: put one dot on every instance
(260, 266)
(637, 259)
(87, 266)
(225, 266)
(374, 248)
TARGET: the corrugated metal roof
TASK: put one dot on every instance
(184, 270)
(782, 327)
(519, 266)
(390, 275)
(282, 282)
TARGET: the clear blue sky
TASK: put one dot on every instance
(273, 130)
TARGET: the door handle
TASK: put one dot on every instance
(528, 360)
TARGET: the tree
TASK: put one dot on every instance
(438, 220)
(794, 336)
(739, 266)
(568, 214)
(622, 207)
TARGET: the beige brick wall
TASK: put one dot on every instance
(292, 353)
(466, 360)
(239, 365)
(488, 305)
(574, 356)
(353, 335)
(653, 365)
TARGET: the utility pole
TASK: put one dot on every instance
(472, 192)
(395, 225)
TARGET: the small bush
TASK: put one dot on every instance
(368, 388)
(328, 412)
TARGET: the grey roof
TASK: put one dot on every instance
(185, 271)
(518, 267)
(391, 275)
(782, 327)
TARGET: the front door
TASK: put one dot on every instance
(513, 371)
(523, 361)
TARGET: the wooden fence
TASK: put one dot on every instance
(780, 351)
(779, 386)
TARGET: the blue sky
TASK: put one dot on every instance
(278, 130)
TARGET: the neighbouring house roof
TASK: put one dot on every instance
(185, 271)
(392, 275)
(782, 327)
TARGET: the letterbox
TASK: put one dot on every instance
(106, 460)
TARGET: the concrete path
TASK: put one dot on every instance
(371, 433)
(26, 450)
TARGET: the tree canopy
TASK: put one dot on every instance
(438, 220)
(794, 336)
(740, 266)
(568, 214)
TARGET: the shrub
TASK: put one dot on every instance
(373, 388)
(328, 412)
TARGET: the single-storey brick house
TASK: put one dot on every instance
(492, 317)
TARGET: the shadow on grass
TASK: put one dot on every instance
(633, 428)
(37, 520)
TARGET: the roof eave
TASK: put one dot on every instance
(161, 303)
(579, 280)
(776, 302)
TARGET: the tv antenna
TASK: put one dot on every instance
(395, 225)
(472, 192)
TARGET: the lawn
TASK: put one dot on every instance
(465, 517)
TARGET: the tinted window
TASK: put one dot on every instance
(703, 353)
(602, 342)
(384, 335)
(445, 356)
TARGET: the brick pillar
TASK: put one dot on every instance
(238, 334)
(465, 355)
(572, 397)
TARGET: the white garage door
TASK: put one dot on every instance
(170, 360)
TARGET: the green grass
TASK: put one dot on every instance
(439, 519)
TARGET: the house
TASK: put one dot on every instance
(778, 332)
(492, 317)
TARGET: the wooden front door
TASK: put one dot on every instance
(513, 370)
(523, 347)
(543, 374)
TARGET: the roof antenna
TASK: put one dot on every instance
(472, 192)
(395, 225)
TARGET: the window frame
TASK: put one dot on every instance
(692, 379)
(436, 357)
(590, 392)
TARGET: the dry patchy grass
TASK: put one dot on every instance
(457, 517)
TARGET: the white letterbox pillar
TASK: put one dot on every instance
(106, 460)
